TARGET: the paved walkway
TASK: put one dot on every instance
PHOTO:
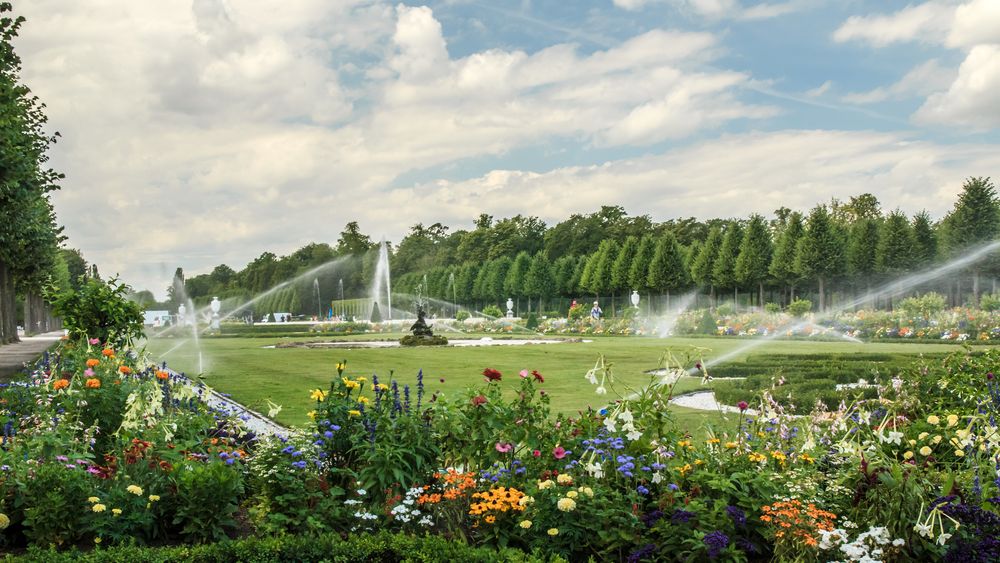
(14, 356)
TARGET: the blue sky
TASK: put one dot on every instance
(209, 131)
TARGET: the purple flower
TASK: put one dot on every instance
(737, 515)
(681, 516)
(642, 490)
(715, 542)
(644, 552)
(673, 486)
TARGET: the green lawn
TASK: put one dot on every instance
(252, 374)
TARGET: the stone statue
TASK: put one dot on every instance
(420, 328)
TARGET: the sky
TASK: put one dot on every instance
(201, 132)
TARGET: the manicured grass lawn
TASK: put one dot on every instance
(253, 374)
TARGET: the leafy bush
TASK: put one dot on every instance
(706, 324)
(725, 309)
(462, 316)
(923, 306)
(799, 307)
(493, 311)
(532, 322)
(577, 312)
(416, 340)
(207, 497)
(772, 308)
(990, 302)
(99, 310)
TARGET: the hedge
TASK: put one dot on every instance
(382, 547)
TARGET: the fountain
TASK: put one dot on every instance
(382, 284)
(422, 333)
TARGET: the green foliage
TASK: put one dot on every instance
(925, 240)
(990, 302)
(515, 282)
(799, 307)
(622, 265)
(462, 315)
(754, 253)
(707, 324)
(638, 276)
(924, 306)
(782, 267)
(54, 501)
(704, 264)
(894, 254)
(724, 268)
(532, 322)
(976, 216)
(820, 252)
(862, 248)
(493, 311)
(772, 308)
(207, 496)
(539, 280)
(99, 310)
(666, 271)
(414, 340)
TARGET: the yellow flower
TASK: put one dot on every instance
(952, 420)
(353, 413)
(525, 500)
(908, 454)
(98, 508)
(341, 366)
(932, 419)
(564, 479)
(382, 387)
(542, 485)
(937, 439)
(587, 491)
(730, 445)
(92, 500)
(318, 395)
(311, 415)
(756, 457)
(572, 494)
(116, 511)
(97, 540)
(360, 379)
(135, 490)
(959, 453)
(553, 531)
(922, 435)
(525, 524)
(925, 451)
(154, 498)
(4, 521)
(363, 400)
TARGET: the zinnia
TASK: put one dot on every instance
(162, 375)
(478, 401)
(491, 375)
(108, 352)
(93, 383)
(558, 452)
(566, 504)
(60, 384)
(538, 377)
(93, 362)
(125, 369)
(742, 405)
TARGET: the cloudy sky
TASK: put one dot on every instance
(197, 132)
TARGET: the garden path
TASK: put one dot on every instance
(14, 356)
(253, 420)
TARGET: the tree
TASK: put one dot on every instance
(600, 279)
(820, 254)
(76, 265)
(975, 220)
(539, 281)
(755, 256)
(563, 274)
(623, 264)
(894, 255)
(514, 283)
(862, 250)
(925, 240)
(638, 273)
(782, 267)
(724, 269)
(666, 271)
(704, 264)
(352, 241)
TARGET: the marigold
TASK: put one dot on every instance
(566, 504)
(553, 531)
(154, 498)
(108, 352)
(125, 369)
(98, 508)
(93, 383)
(134, 489)
(525, 524)
(564, 479)
(116, 511)
(4, 521)
(60, 384)
(353, 413)
(162, 375)
(92, 500)
(93, 362)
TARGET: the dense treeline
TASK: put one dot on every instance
(833, 252)
(29, 236)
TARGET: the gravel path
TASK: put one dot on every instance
(253, 420)
(705, 401)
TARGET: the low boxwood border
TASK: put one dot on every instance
(382, 547)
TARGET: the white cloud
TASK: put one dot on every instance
(975, 23)
(924, 79)
(731, 176)
(971, 100)
(820, 90)
(194, 135)
(720, 9)
(927, 22)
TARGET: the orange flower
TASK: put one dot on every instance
(93, 383)
(108, 352)
(60, 384)
(92, 362)
(162, 375)
(125, 369)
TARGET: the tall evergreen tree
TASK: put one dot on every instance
(704, 264)
(724, 269)
(862, 251)
(894, 255)
(514, 283)
(782, 267)
(623, 264)
(926, 245)
(755, 256)
(638, 274)
(666, 272)
(538, 282)
(600, 278)
(975, 220)
(820, 255)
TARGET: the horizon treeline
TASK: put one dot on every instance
(833, 252)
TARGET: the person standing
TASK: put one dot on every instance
(596, 312)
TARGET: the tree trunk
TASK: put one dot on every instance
(711, 295)
(760, 298)
(822, 300)
(975, 284)
(8, 317)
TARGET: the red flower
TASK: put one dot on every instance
(558, 452)
(536, 453)
(478, 401)
(538, 376)
(491, 374)
(742, 405)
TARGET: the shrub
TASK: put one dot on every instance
(923, 306)
(577, 312)
(532, 322)
(799, 307)
(772, 308)
(990, 302)
(208, 494)
(706, 325)
(54, 499)
(99, 310)
(725, 309)
(492, 311)
(415, 340)
(462, 316)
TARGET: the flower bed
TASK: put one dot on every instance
(910, 474)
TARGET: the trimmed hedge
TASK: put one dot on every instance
(382, 547)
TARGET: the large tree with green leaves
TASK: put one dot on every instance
(666, 271)
(638, 274)
(820, 255)
(925, 240)
(724, 269)
(782, 267)
(755, 256)
(623, 264)
(704, 264)
(862, 251)
(538, 283)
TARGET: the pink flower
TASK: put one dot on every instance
(742, 405)
(88, 372)
(559, 452)
(536, 453)
(523, 374)
(478, 401)
(94, 341)
(503, 447)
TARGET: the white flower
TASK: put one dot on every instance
(625, 416)
(634, 435)
(943, 538)
(657, 478)
(594, 469)
(601, 390)
(609, 423)
(591, 377)
(923, 530)
(362, 492)
(898, 542)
